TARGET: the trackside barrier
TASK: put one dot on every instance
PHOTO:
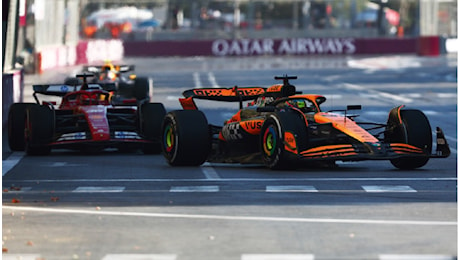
(259, 47)
(84, 52)
(428, 46)
(423, 46)
(12, 87)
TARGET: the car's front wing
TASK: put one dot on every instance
(375, 151)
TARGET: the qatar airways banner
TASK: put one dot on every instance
(300, 46)
(257, 47)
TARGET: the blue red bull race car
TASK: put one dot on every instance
(283, 128)
(85, 120)
(128, 84)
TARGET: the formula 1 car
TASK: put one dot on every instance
(128, 86)
(283, 128)
(84, 120)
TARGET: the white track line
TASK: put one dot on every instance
(212, 80)
(209, 172)
(197, 80)
(212, 188)
(416, 257)
(388, 188)
(233, 218)
(92, 189)
(12, 160)
(244, 179)
(380, 93)
(290, 188)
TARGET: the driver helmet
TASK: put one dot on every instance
(298, 103)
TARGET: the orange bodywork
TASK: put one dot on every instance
(188, 103)
(330, 151)
(346, 126)
(275, 88)
(228, 92)
(402, 148)
(289, 142)
(252, 126)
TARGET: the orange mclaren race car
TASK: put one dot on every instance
(282, 128)
(84, 120)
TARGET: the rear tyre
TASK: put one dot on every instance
(152, 115)
(273, 132)
(415, 130)
(186, 138)
(16, 125)
(39, 130)
(141, 89)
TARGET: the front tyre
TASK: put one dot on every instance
(186, 138)
(16, 125)
(278, 128)
(39, 130)
(415, 130)
(273, 153)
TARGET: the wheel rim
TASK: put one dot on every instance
(169, 138)
(269, 141)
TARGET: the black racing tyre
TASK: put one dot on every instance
(16, 125)
(125, 90)
(141, 88)
(186, 138)
(273, 132)
(151, 116)
(39, 130)
(414, 130)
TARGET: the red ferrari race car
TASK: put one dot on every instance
(283, 128)
(84, 120)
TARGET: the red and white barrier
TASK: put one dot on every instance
(84, 52)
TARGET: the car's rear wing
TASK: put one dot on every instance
(235, 94)
(98, 69)
(61, 90)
